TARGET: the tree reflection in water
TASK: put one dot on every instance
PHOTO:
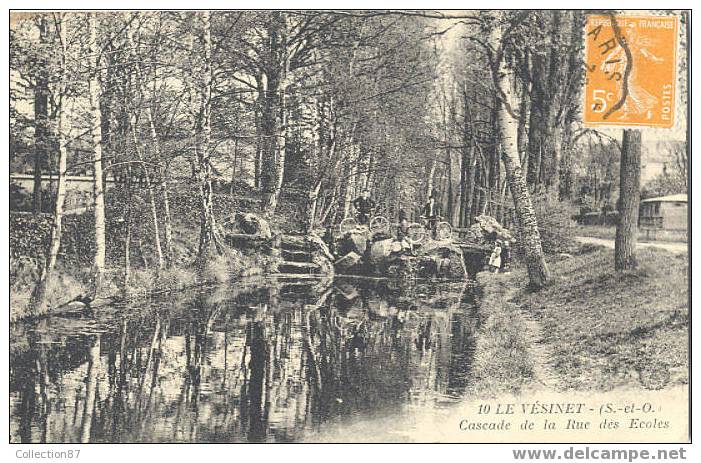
(263, 361)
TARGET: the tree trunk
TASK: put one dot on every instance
(478, 189)
(312, 204)
(554, 83)
(468, 163)
(96, 137)
(627, 229)
(55, 240)
(566, 173)
(275, 115)
(536, 126)
(463, 189)
(524, 115)
(165, 253)
(163, 172)
(449, 187)
(553, 174)
(261, 139)
(455, 160)
(494, 177)
(209, 241)
(429, 177)
(350, 177)
(127, 233)
(469, 188)
(538, 273)
(233, 166)
(466, 166)
(151, 198)
(41, 114)
(370, 175)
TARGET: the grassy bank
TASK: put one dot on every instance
(596, 231)
(591, 328)
(68, 282)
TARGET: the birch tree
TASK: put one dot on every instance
(201, 93)
(141, 103)
(98, 269)
(63, 128)
(41, 110)
(164, 253)
(275, 111)
(507, 121)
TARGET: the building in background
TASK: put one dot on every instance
(664, 215)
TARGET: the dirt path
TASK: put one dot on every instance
(675, 247)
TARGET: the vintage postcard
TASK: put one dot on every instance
(335, 226)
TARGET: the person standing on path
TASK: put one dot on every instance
(495, 258)
(506, 257)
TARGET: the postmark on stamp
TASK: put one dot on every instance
(631, 70)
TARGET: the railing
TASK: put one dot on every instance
(651, 222)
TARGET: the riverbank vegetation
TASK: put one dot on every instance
(595, 328)
(129, 274)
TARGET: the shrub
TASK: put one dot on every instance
(176, 278)
(62, 287)
(556, 228)
(24, 271)
(23, 200)
(185, 206)
(64, 284)
(29, 234)
(220, 269)
(141, 281)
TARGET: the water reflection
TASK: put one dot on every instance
(271, 360)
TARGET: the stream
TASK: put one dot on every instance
(260, 360)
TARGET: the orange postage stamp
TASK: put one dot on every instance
(631, 70)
